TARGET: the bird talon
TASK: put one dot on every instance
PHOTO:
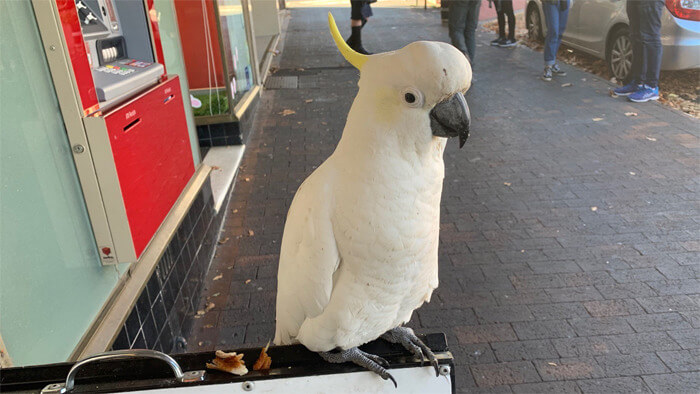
(436, 366)
(388, 376)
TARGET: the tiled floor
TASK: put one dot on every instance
(570, 252)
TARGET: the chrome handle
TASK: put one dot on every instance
(187, 377)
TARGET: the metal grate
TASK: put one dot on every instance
(286, 82)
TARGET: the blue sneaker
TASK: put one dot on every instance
(644, 94)
(627, 89)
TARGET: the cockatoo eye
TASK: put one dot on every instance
(412, 97)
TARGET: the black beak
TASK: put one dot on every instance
(451, 118)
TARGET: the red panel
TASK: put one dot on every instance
(193, 38)
(153, 17)
(78, 54)
(151, 149)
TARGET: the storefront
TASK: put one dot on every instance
(109, 211)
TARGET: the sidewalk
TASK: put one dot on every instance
(570, 240)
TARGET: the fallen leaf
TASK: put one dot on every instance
(566, 85)
(217, 277)
(651, 139)
(247, 179)
(553, 364)
(633, 173)
(594, 209)
(247, 281)
(223, 241)
(288, 112)
(264, 361)
(251, 233)
(309, 100)
(215, 167)
(209, 307)
(630, 114)
(201, 343)
(229, 267)
(507, 183)
(216, 294)
(229, 362)
(611, 93)
(208, 326)
(597, 119)
(235, 211)
(324, 123)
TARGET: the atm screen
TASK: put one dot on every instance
(119, 47)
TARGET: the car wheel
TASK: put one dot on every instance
(619, 54)
(534, 23)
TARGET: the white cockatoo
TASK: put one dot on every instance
(360, 247)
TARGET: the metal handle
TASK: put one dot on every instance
(122, 354)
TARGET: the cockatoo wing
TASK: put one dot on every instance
(308, 257)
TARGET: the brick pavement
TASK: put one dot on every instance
(569, 253)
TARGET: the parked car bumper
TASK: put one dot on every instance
(681, 44)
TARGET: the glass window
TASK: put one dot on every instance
(52, 284)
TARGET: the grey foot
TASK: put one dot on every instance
(410, 341)
(373, 363)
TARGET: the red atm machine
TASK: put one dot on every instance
(123, 113)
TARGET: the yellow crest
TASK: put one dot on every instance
(356, 59)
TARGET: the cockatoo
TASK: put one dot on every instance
(359, 251)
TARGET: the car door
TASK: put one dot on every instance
(593, 21)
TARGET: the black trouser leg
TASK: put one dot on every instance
(507, 8)
(501, 23)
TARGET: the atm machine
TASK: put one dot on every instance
(123, 113)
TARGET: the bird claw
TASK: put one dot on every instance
(366, 360)
(410, 341)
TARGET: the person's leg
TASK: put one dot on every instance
(356, 19)
(637, 47)
(551, 17)
(563, 18)
(457, 20)
(507, 6)
(650, 34)
(501, 22)
(472, 23)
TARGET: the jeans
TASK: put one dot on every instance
(505, 8)
(463, 20)
(556, 23)
(645, 26)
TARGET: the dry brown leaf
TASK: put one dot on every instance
(215, 167)
(507, 183)
(247, 281)
(553, 364)
(633, 173)
(630, 114)
(247, 179)
(235, 211)
(651, 139)
(264, 361)
(288, 112)
(594, 209)
(217, 277)
(251, 233)
(208, 326)
(309, 100)
(229, 362)
(223, 241)
(566, 85)
(597, 119)
(216, 295)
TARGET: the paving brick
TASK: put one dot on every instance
(658, 322)
(430, 318)
(503, 314)
(679, 286)
(563, 310)
(584, 346)
(613, 385)
(568, 294)
(522, 297)
(686, 382)
(672, 303)
(626, 290)
(687, 339)
(484, 333)
(623, 307)
(631, 365)
(523, 350)
(477, 353)
(568, 369)
(637, 275)
(692, 317)
(543, 329)
(600, 326)
(681, 360)
(488, 375)
(546, 387)
(645, 342)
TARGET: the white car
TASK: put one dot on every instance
(601, 28)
